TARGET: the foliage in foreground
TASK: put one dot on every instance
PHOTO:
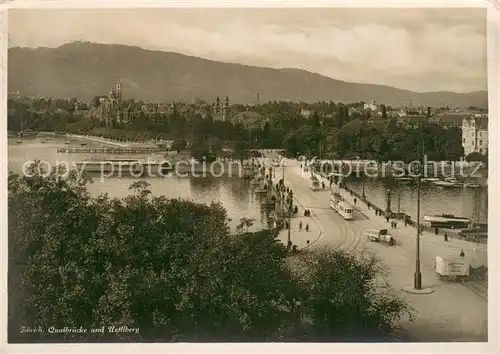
(172, 269)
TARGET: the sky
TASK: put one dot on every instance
(422, 50)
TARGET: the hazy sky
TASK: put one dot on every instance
(415, 49)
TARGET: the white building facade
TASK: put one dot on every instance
(475, 135)
(370, 106)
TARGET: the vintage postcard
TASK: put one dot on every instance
(250, 175)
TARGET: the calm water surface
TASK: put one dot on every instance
(235, 194)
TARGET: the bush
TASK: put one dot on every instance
(476, 157)
(172, 269)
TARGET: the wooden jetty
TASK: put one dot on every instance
(110, 150)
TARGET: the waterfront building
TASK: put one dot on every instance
(305, 113)
(475, 134)
(370, 106)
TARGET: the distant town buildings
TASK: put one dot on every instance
(475, 134)
(370, 106)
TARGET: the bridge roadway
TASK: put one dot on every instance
(453, 312)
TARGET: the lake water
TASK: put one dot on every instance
(235, 194)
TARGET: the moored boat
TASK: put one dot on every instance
(403, 180)
(429, 180)
(446, 220)
(450, 182)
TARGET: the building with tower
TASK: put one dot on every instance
(222, 112)
(225, 110)
(118, 90)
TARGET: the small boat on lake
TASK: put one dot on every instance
(403, 180)
(429, 180)
(472, 185)
(449, 182)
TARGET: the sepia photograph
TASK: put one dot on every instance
(248, 175)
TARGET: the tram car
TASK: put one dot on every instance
(342, 207)
(315, 185)
(381, 236)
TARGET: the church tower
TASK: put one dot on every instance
(118, 90)
(225, 110)
(217, 106)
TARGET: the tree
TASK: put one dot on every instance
(347, 297)
(172, 269)
(165, 266)
(245, 223)
(384, 111)
(179, 145)
(477, 157)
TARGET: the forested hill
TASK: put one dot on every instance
(83, 70)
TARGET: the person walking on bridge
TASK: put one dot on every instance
(307, 227)
(300, 226)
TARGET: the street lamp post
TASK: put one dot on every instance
(399, 200)
(477, 217)
(289, 241)
(417, 279)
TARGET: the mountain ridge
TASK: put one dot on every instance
(85, 69)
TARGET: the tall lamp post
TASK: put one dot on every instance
(399, 200)
(289, 241)
(417, 278)
(477, 215)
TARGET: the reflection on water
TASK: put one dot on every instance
(234, 193)
(433, 200)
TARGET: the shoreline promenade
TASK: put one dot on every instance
(453, 312)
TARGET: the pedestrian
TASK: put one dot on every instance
(355, 201)
(445, 237)
(387, 218)
(323, 184)
(395, 224)
(300, 226)
(307, 227)
(462, 253)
